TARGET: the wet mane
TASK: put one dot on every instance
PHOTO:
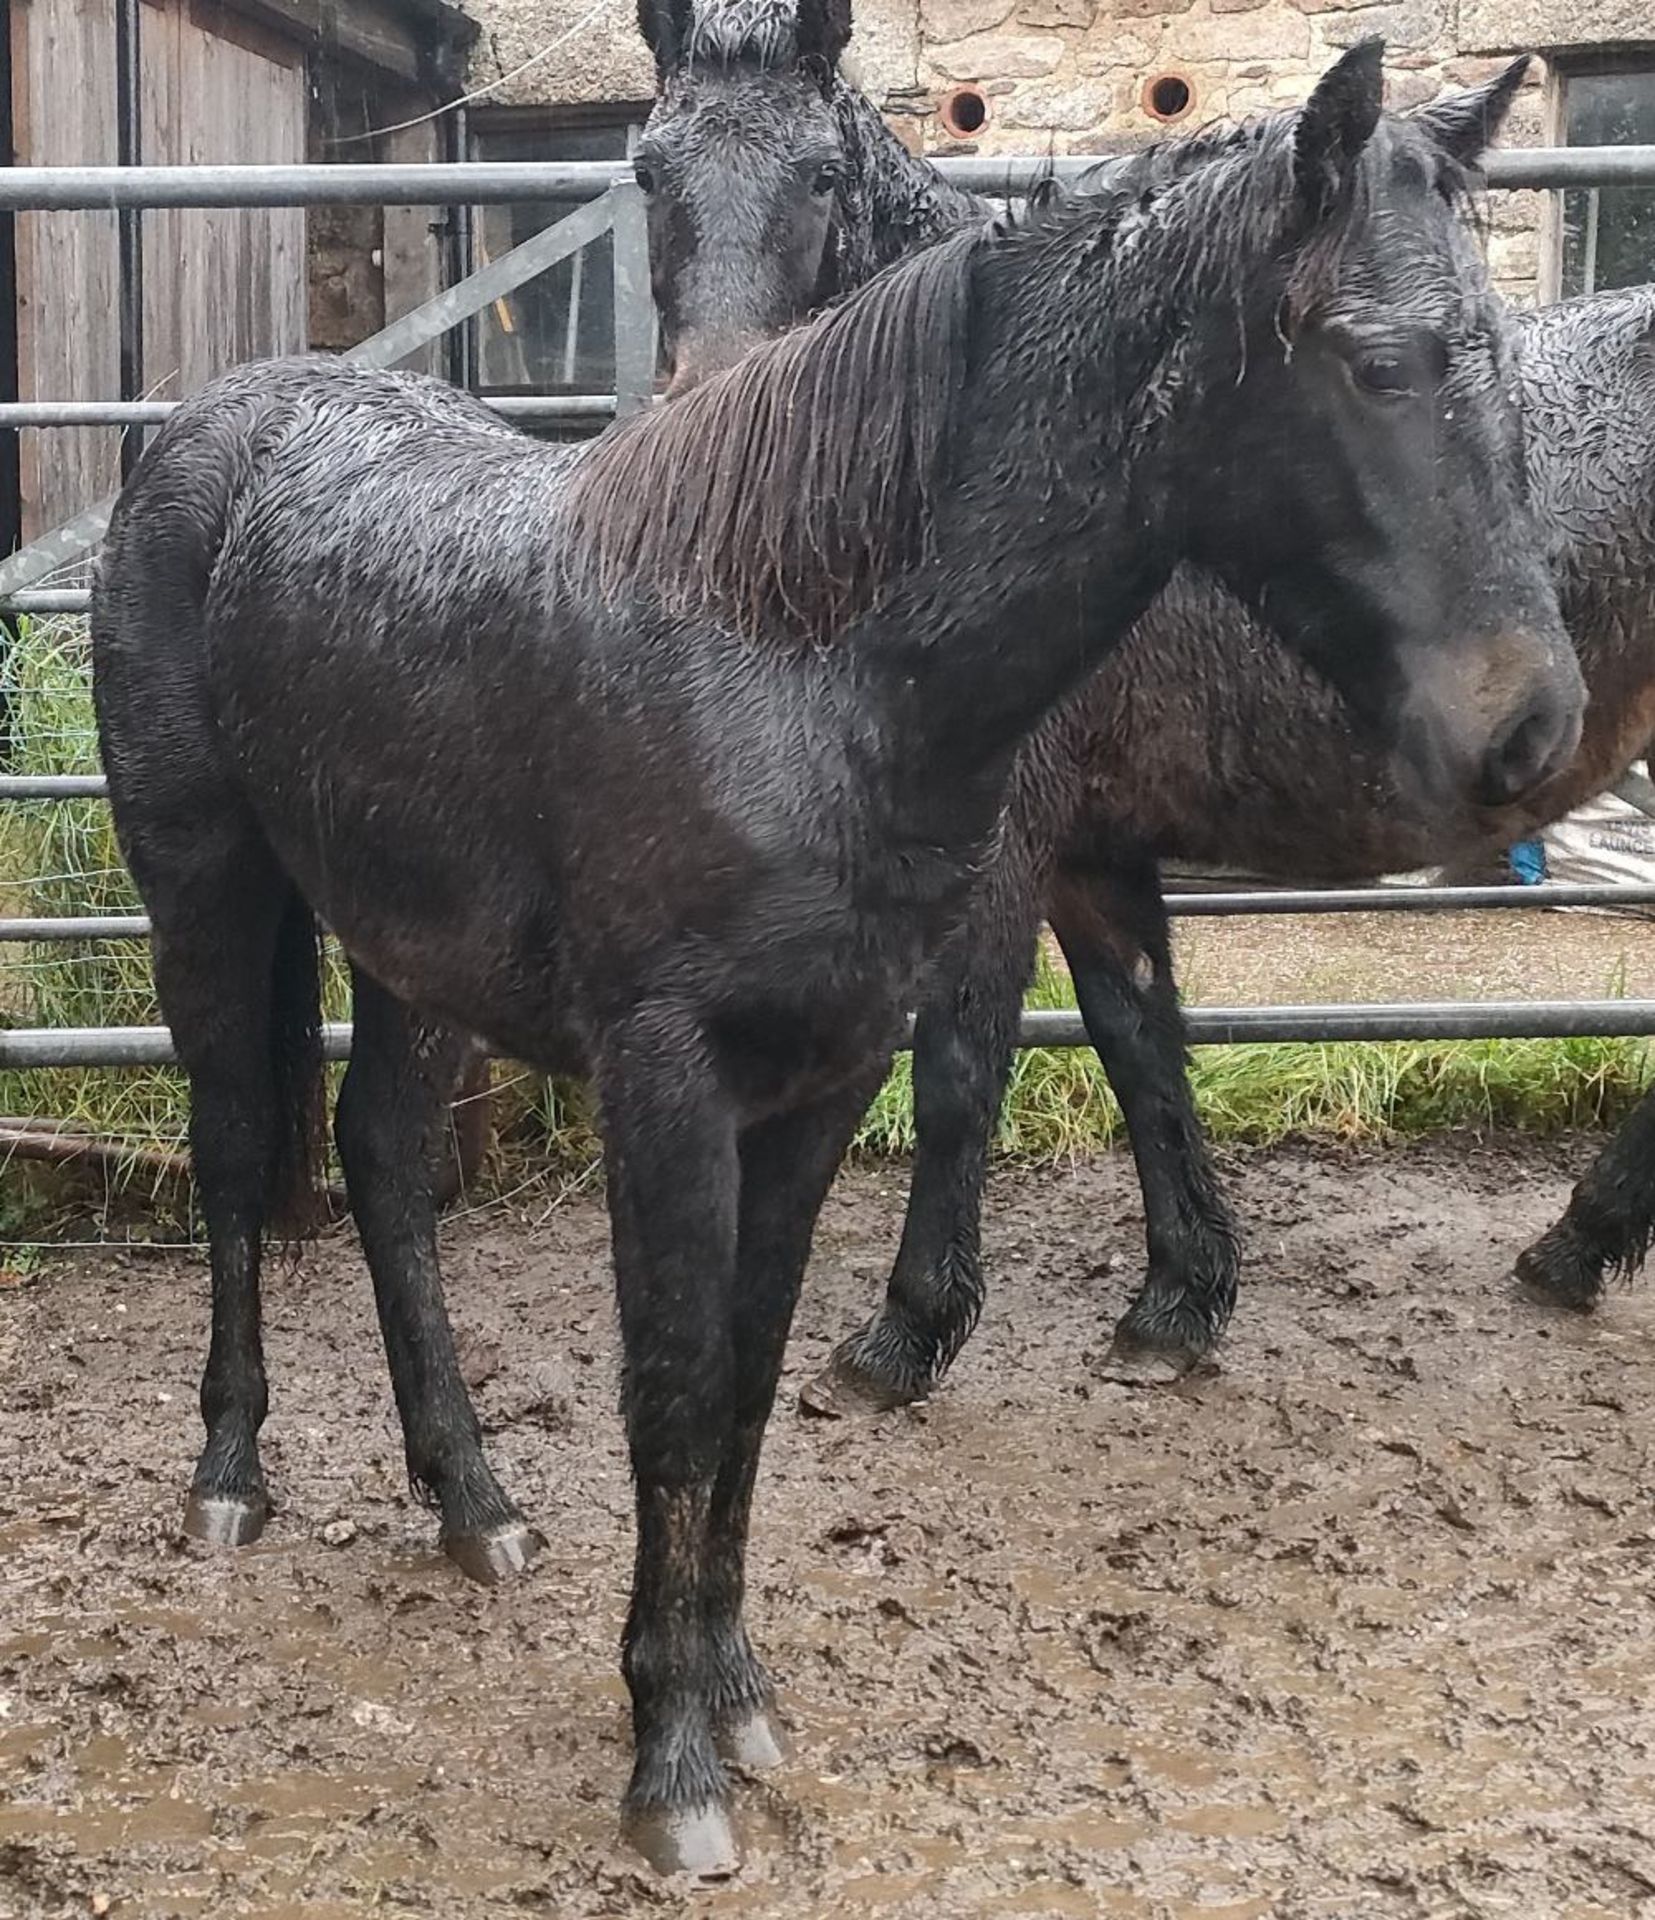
(784, 491)
(783, 495)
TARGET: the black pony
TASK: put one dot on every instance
(1202, 740)
(675, 759)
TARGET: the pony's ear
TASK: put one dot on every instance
(823, 29)
(1336, 123)
(665, 25)
(1464, 123)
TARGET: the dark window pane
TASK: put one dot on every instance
(556, 334)
(1608, 232)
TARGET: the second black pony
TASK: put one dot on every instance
(676, 759)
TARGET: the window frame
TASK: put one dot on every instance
(547, 121)
(1562, 69)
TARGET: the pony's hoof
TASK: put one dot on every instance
(224, 1520)
(699, 1841)
(1551, 1279)
(843, 1391)
(753, 1741)
(497, 1555)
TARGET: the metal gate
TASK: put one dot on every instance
(613, 205)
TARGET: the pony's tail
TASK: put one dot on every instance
(296, 1199)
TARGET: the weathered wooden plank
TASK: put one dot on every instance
(68, 322)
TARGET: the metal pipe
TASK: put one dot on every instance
(1403, 899)
(53, 786)
(459, 343)
(49, 600)
(479, 182)
(1190, 906)
(90, 926)
(1509, 167)
(324, 184)
(11, 445)
(1207, 1026)
(129, 221)
(122, 413)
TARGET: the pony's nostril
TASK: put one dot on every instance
(1534, 747)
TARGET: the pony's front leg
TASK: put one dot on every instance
(787, 1166)
(674, 1183)
(1110, 920)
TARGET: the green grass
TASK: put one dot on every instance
(61, 858)
(1059, 1104)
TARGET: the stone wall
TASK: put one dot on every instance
(1073, 76)
(601, 58)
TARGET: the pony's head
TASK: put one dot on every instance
(1363, 479)
(740, 164)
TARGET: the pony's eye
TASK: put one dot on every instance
(645, 176)
(826, 181)
(1384, 376)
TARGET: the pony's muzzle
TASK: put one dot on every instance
(1489, 721)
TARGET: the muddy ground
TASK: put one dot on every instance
(1361, 1626)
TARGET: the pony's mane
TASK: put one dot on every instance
(785, 493)
(758, 33)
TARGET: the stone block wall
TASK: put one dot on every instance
(1075, 76)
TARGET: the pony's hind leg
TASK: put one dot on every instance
(1110, 921)
(1608, 1225)
(235, 968)
(392, 1107)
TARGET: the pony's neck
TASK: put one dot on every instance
(891, 203)
(1061, 514)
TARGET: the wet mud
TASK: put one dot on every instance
(1361, 1625)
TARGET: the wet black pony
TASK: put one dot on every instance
(1202, 740)
(675, 759)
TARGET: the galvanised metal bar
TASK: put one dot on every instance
(1208, 1026)
(91, 926)
(130, 220)
(151, 413)
(434, 317)
(1507, 167)
(53, 786)
(49, 600)
(1198, 906)
(459, 250)
(116, 1046)
(635, 349)
(479, 182)
(1241, 906)
(410, 184)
